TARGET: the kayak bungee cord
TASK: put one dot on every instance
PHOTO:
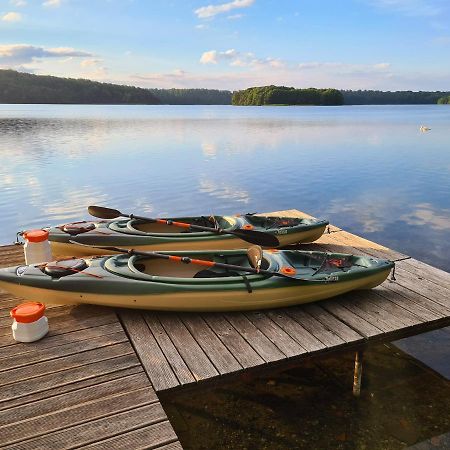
(254, 237)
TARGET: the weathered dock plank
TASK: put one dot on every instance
(82, 385)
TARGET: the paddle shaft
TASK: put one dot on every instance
(174, 223)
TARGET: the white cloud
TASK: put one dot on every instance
(206, 12)
(235, 16)
(90, 62)
(238, 59)
(209, 57)
(12, 17)
(18, 3)
(52, 3)
(13, 55)
(425, 214)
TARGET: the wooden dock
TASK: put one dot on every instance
(183, 349)
(94, 380)
(81, 386)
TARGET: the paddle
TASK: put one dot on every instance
(200, 262)
(254, 237)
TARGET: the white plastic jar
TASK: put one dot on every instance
(29, 323)
(37, 248)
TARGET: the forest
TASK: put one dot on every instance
(444, 100)
(19, 87)
(281, 95)
(192, 96)
(392, 97)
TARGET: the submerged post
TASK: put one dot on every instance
(357, 374)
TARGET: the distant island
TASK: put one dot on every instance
(444, 100)
(281, 95)
(19, 87)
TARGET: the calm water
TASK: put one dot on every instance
(367, 169)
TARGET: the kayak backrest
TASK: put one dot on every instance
(255, 256)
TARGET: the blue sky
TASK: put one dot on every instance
(347, 44)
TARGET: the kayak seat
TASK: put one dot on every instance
(209, 222)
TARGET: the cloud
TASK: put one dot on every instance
(425, 214)
(13, 55)
(223, 191)
(18, 3)
(235, 16)
(238, 59)
(206, 12)
(212, 56)
(409, 7)
(90, 62)
(12, 17)
(52, 3)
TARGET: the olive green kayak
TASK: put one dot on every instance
(143, 281)
(141, 235)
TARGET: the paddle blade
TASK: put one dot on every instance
(103, 213)
(257, 238)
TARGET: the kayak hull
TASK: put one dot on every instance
(60, 249)
(208, 301)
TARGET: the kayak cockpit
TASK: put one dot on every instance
(163, 270)
(136, 225)
(156, 267)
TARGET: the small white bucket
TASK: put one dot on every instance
(29, 323)
(37, 248)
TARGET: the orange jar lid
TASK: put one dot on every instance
(28, 312)
(36, 235)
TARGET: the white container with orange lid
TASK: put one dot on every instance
(29, 324)
(37, 248)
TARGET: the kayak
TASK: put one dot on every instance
(142, 235)
(143, 281)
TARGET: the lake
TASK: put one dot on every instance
(368, 169)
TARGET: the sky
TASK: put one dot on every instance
(232, 44)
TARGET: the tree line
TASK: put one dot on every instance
(444, 100)
(392, 98)
(19, 87)
(192, 96)
(282, 95)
